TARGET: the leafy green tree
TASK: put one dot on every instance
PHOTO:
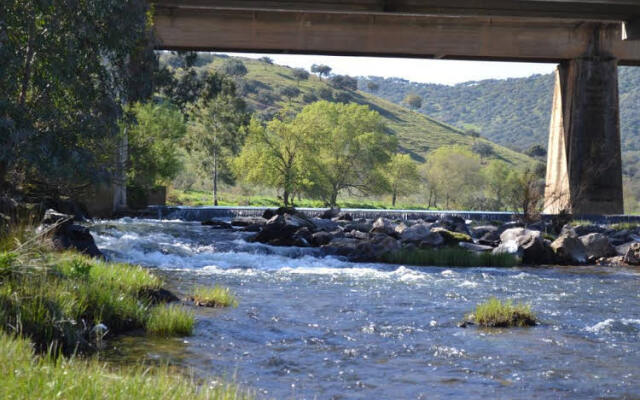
(483, 149)
(536, 151)
(344, 82)
(273, 156)
(413, 100)
(63, 79)
(234, 67)
(215, 136)
(289, 92)
(496, 175)
(525, 193)
(153, 139)
(321, 70)
(266, 60)
(454, 173)
(346, 145)
(300, 74)
(402, 176)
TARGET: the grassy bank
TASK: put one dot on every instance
(29, 376)
(450, 257)
(216, 296)
(195, 198)
(497, 314)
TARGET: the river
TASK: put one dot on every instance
(309, 327)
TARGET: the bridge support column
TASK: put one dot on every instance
(584, 167)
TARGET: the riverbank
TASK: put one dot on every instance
(58, 307)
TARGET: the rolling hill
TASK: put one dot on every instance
(417, 134)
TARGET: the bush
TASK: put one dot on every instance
(217, 296)
(496, 314)
(171, 320)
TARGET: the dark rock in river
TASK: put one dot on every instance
(321, 238)
(342, 247)
(330, 213)
(454, 224)
(633, 254)
(450, 237)
(384, 225)
(64, 235)
(344, 217)
(526, 244)
(248, 221)
(569, 249)
(159, 295)
(418, 233)
(373, 249)
(280, 230)
(597, 245)
(480, 231)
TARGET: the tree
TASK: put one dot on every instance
(483, 149)
(300, 75)
(402, 175)
(525, 193)
(153, 138)
(63, 81)
(496, 175)
(234, 67)
(216, 134)
(266, 60)
(273, 156)
(536, 151)
(373, 87)
(344, 82)
(454, 173)
(413, 100)
(321, 70)
(289, 92)
(346, 145)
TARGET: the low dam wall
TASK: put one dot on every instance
(208, 212)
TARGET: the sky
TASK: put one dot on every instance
(447, 72)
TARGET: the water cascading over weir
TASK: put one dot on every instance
(587, 38)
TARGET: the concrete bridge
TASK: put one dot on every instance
(587, 38)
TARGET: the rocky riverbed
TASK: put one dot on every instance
(367, 240)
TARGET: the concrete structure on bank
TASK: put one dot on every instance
(588, 38)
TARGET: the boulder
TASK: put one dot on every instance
(280, 230)
(454, 224)
(324, 224)
(344, 217)
(268, 214)
(584, 229)
(569, 249)
(480, 231)
(217, 224)
(384, 225)
(622, 249)
(342, 247)
(376, 247)
(433, 239)
(450, 237)
(321, 238)
(416, 233)
(248, 221)
(330, 213)
(361, 226)
(65, 235)
(620, 237)
(400, 228)
(526, 244)
(357, 235)
(633, 254)
(597, 245)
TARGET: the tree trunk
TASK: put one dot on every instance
(393, 198)
(285, 198)
(215, 178)
(334, 198)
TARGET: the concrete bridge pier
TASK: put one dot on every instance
(584, 167)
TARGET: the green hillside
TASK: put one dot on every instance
(417, 133)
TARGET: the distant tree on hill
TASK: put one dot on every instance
(344, 82)
(325, 93)
(266, 60)
(536, 151)
(289, 92)
(454, 174)
(473, 133)
(402, 176)
(342, 96)
(372, 86)
(234, 67)
(300, 74)
(321, 70)
(483, 149)
(413, 100)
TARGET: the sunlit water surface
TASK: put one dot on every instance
(309, 327)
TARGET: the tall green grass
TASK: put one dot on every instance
(170, 320)
(497, 314)
(56, 299)
(217, 296)
(28, 376)
(450, 257)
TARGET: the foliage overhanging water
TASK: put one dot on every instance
(309, 327)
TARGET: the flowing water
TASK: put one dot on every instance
(309, 327)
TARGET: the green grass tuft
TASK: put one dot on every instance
(217, 296)
(170, 320)
(450, 257)
(497, 314)
(28, 376)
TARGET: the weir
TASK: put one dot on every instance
(588, 38)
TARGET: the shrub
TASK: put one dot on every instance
(497, 314)
(171, 320)
(218, 296)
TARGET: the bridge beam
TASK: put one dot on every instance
(584, 168)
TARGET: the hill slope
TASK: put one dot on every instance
(511, 112)
(417, 133)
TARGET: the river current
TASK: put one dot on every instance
(313, 327)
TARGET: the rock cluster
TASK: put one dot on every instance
(63, 234)
(340, 234)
